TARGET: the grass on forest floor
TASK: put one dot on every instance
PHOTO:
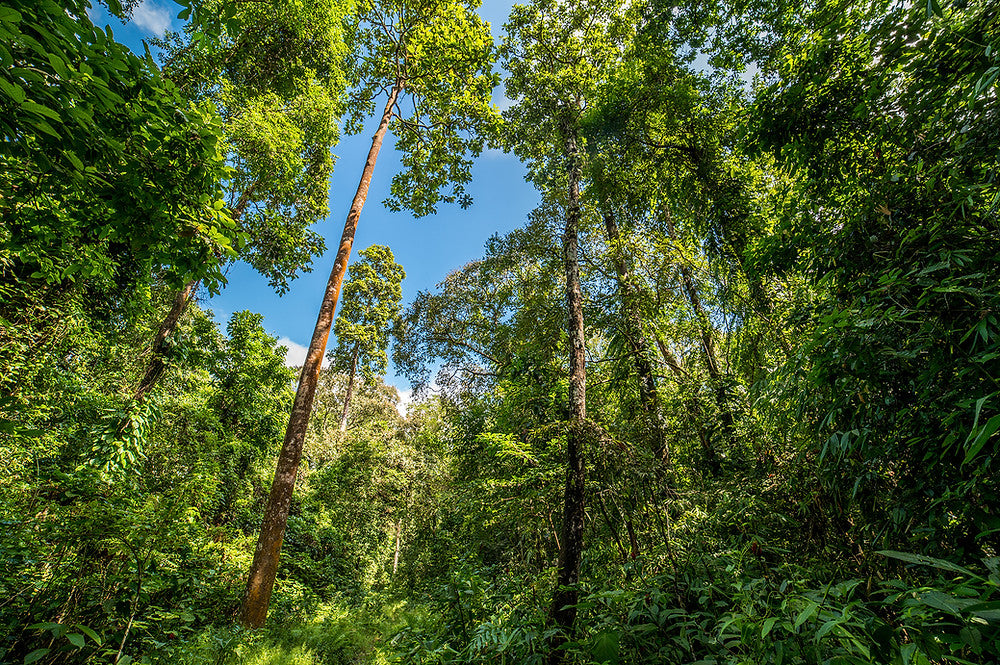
(334, 635)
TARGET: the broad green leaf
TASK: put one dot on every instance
(927, 561)
(35, 655)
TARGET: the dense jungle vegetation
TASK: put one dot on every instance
(730, 395)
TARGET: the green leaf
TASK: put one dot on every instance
(806, 614)
(768, 626)
(989, 429)
(76, 639)
(933, 8)
(12, 90)
(8, 15)
(826, 628)
(35, 107)
(91, 634)
(71, 156)
(37, 654)
(927, 561)
(46, 625)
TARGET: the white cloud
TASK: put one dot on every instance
(405, 399)
(152, 17)
(496, 153)
(296, 354)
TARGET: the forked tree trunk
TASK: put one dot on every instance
(260, 581)
(632, 324)
(564, 598)
(156, 365)
(692, 407)
(350, 388)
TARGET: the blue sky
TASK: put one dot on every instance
(427, 248)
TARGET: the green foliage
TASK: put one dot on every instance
(109, 174)
(275, 73)
(440, 56)
(372, 296)
(805, 265)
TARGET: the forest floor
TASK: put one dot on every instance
(332, 634)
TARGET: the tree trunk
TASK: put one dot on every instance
(708, 347)
(632, 323)
(260, 581)
(564, 598)
(399, 538)
(350, 387)
(692, 407)
(156, 366)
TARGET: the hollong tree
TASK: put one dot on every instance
(431, 60)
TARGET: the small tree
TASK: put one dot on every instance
(372, 301)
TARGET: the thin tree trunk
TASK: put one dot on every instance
(611, 527)
(708, 347)
(564, 598)
(633, 336)
(260, 581)
(350, 387)
(693, 409)
(399, 537)
(156, 366)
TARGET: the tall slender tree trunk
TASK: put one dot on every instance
(632, 324)
(564, 598)
(260, 581)
(350, 387)
(708, 347)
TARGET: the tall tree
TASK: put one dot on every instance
(372, 302)
(275, 73)
(436, 57)
(556, 55)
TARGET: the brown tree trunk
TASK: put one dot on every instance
(350, 388)
(564, 598)
(260, 581)
(156, 365)
(632, 323)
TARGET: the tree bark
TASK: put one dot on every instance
(156, 365)
(350, 387)
(260, 581)
(632, 323)
(564, 598)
